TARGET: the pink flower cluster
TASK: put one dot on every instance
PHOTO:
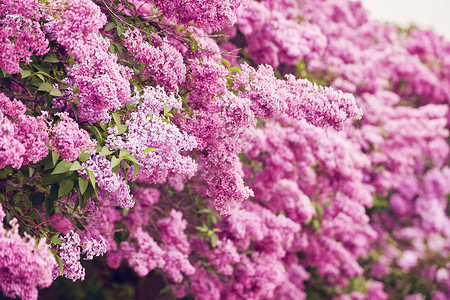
(113, 187)
(23, 138)
(163, 63)
(204, 14)
(70, 252)
(147, 129)
(20, 34)
(25, 264)
(67, 139)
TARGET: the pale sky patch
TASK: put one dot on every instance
(427, 14)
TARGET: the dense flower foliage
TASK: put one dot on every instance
(259, 149)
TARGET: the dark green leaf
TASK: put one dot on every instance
(37, 198)
(65, 186)
(60, 263)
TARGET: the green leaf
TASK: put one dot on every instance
(130, 158)
(121, 128)
(112, 49)
(214, 240)
(166, 110)
(40, 76)
(55, 239)
(83, 183)
(65, 186)
(51, 58)
(136, 170)
(60, 263)
(225, 62)
(91, 177)
(76, 166)
(50, 201)
(64, 86)
(56, 92)
(147, 150)
(110, 26)
(62, 167)
(84, 156)
(25, 73)
(116, 118)
(77, 100)
(95, 131)
(120, 30)
(105, 151)
(87, 195)
(115, 162)
(45, 86)
(123, 152)
(37, 198)
(55, 157)
(76, 89)
(235, 70)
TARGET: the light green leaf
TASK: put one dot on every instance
(45, 86)
(83, 183)
(130, 158)
(121, 128)
(55, 239)
(115, 162)
(116, 118)
(105, 151)
(123, 152)
(136, 170)
(91, 177)
(235, 70)
(76, 166)
(25, 73)
(55, 157)
(147, 150)
(110, 26)
(225, 62)
(62, 167)
(56, 92)
(84, 156)
(166, 110)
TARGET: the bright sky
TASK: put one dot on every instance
(428, 14)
